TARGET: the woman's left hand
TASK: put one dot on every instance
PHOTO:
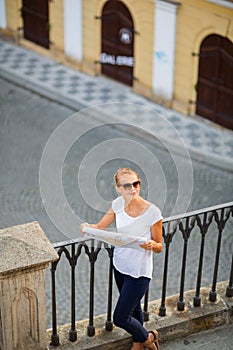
(148, 245)
(152, 245)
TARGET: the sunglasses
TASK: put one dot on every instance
(128, 186)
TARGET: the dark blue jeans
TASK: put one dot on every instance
(128, 313)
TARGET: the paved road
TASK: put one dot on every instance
(205, 141)
(26, 123)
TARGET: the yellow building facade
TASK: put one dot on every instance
(159, 54)
(196, 20)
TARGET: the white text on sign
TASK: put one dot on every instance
(117, 60)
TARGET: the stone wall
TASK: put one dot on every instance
(25, 253)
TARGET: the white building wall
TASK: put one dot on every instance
(3, 23)
(73, 29)
(164, 49)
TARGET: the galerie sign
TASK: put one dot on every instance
(116, 60)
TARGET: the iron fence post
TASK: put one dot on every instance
(90, 327)
(108, 323)
(54, 336)
(221, 224)
(73, 332)
(145, 309)
(229, 291)
(162, 309)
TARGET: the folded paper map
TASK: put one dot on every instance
(115, 238)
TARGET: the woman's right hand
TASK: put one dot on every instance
(81, 227)
(86, 224)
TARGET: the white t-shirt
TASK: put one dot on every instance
(134, 262)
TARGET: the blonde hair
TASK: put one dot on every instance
(123, 171)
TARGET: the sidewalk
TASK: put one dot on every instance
(203, 140)
(215, 339)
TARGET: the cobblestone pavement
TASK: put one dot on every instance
(219, 338)
(27, 122)
(205, 141)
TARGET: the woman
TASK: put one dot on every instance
(133, 267)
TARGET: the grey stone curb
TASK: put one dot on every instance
(224, 163)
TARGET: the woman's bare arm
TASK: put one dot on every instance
(155, 243)
(106, 221)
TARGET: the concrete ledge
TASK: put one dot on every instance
(175, 324)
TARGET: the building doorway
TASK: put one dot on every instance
(117, 49)
(215, 80)
(36, 21)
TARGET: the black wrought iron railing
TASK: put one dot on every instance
(211, 221)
